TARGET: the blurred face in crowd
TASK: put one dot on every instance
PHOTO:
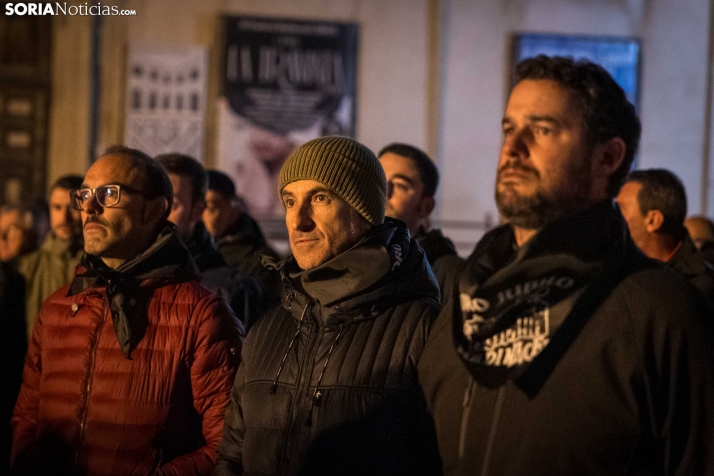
(220, 213)
(15, 233)
(320, 224)
(65, 221)
(700, 230)
(184, 212)
(120, 232)
(544, 170)
(640, 225)
(405, 196)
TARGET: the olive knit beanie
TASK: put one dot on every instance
(346, 167)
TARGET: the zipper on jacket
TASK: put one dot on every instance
(497, 409)
(304, 375)
(465, 412)
(90, 371)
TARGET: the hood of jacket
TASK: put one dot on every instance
(203, 250)
(166, 261)
(383, 269)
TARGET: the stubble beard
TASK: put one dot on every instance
(540, 208)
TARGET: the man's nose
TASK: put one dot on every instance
(92, 206)
(302, 217)
(515, 143)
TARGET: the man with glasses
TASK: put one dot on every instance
(129, 366)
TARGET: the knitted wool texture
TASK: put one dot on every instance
(346, 167)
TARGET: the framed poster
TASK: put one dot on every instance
(283, 82)
(165, 100)
(618, 55)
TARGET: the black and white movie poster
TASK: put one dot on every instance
(284, 82)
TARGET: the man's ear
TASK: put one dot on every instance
(155, 209)
(654, 219)
(426, 207)
(611, 155)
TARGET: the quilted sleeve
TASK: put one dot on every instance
(214, 354)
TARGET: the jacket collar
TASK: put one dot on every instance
(58, 246)
(381, 270)
(434, 244)
(203, 249)
(688, 260)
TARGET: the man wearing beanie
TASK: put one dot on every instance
(328, 382)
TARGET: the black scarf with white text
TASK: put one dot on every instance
(522, 308)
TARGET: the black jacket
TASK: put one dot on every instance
(329, 381)
(13, 345)
(242, 247)
(240, 291)
(689, 262)
(631, 393)
(443, 259)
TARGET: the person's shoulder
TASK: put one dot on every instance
(663, 295)
(28, 263)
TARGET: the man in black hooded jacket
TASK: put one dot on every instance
(328, 385)
(412, 180)
(567, 351)
(238, 236)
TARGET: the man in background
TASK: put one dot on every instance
(188, 180)
(53, 264)
(412, 179)
(20, 231)
(237, 235)
(654, 204)
(701, 231)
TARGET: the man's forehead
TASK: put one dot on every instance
(113, 169)
(60, 194)
(395, 164)
(303, 187)
(540, 97)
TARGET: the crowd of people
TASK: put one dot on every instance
(149, 328)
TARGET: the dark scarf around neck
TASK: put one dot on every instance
(513, 302)
(166, 261)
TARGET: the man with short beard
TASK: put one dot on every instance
(45, 270)
(568, 351)
(328, 383)
(129, 367)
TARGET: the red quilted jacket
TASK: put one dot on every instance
(85, 408)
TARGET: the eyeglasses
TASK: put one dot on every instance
(107, 195)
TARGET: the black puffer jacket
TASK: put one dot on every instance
(329, 381)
